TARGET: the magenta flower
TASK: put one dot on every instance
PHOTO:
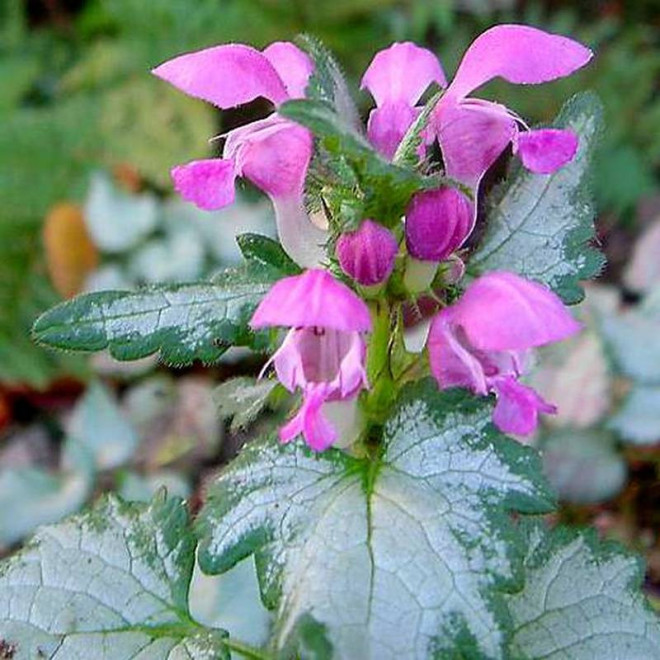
(324, 351)
(367, 255)
(396, 78)
(473, 132)
(482, 342)
(272, 153)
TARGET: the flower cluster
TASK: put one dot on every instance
(481, 341)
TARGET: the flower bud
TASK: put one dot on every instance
(367, 255)
(437, 223)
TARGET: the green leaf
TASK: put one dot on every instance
(406, 152)
(402, 556)
(638, 420)
(110, 583)
(540, 226)
(327, 82)
(182, 323)
(581, 600)
(583, 465)
(243, 399)
(259, 249)
(385, 188)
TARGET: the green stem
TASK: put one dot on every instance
(246, 650)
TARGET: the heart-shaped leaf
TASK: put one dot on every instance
(399, 556)
(581, 601)
(108, 584)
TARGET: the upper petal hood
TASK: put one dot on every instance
(502, 311)
(292, 65)
(401, 73)
(226, 76)
(519, 54)
(313, 299)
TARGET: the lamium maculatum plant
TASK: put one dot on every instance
(393, 509)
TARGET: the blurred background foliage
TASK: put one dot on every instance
(87, 138)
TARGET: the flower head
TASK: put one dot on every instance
(367, 254)
(482, 342)
(273, 153)
(473, 133)
(323, 353)
(397, 77)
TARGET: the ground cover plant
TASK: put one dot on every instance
(391, 509)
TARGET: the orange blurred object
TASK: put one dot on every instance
(70, 253)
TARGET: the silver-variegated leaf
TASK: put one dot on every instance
(581, 601)
(110, 584)
(397, 556)
(540, 226)
(180, 322)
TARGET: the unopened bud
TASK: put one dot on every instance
(367, 255)
(437, 223)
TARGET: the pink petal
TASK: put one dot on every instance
(502, 311)
(226, 76)
(319, 434)
(437, 223)
(546, 150)
(310, 356)
(313, 299)
(452, 364)
(209, 184)
(292, 64)
(472, 136)
(293, 428)
(519, 54)
(274, 154)
(518, 407)
(367, 255)
(352, 375)
(401, 73)
(288, 362)
(388, 124)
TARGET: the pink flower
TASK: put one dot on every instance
(367, 254)
(396, 78)
(323, 354)
(272, 153)
(482, 343)
(473, 132)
